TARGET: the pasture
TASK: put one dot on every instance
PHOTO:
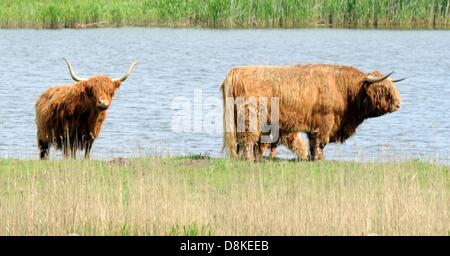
(206, 196)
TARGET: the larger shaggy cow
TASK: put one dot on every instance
(71, 116)
(327, 102)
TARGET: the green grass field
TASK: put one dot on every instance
(225, 13)
(202, 196)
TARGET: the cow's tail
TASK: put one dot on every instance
(229, 120)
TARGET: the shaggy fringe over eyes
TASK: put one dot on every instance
(101, 86)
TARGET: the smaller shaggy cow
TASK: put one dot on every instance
(70, 117)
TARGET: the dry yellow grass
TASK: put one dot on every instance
(192, 196)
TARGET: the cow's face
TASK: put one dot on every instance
(383, 96)
(100, 91)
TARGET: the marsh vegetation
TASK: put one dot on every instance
(204, 196)
(224, 13)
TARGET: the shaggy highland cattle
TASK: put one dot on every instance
(327, 102)
(70, 116)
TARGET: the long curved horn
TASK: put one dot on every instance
(398, 80)
(125, 76)
(371, 79)
(72, 73)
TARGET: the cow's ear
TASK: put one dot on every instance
(366, 80)
(117, 83)
(366, 85)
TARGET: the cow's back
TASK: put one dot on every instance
(304, 91)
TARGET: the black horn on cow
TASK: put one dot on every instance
(72, 73)
(127, 73)
(398, 80)
(371, 79)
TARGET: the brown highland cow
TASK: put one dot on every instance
(327, 102)
(71, 116)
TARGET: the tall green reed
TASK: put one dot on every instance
(225, 13)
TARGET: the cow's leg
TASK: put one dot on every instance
(273, 150)
(73, 150)
(43, 149)
(256, 152)
(295, 143)
(263, 144)
(87, 148)
(66, 140)
(316, 145)
(320, 136)
(250, 140)
(74, 145)
(66, 147)
(262, 148)
(249, 152)
(87, 152)
(239, 149)
(250, 137)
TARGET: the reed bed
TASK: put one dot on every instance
(225, 13)
(202, 196)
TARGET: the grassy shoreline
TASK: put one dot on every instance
(202, 196)
(225, 14)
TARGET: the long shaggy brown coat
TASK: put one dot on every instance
(71, 116)
(328, 102)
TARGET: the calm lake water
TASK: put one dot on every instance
(178, 63)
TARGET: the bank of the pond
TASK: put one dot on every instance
(224, 13)
(201, 196)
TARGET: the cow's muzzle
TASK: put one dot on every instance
(102, 105)
(394, 107)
